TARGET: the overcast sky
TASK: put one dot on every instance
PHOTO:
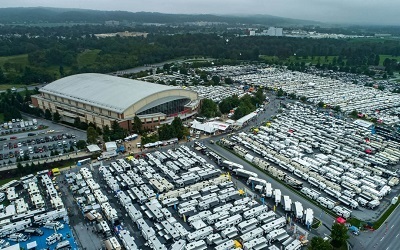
(334, 11)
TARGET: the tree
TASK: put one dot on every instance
(337, 108)
(92, 135)
(56, 117)
(137, 125)
(208, 108)
(321, 104)
(77, 122)
(106, 133)
(61, 70)
(177, 124)
(183, 71)
(20, 168)
(81, 144)
(280, 92)
(216, 80)
(47, 114)
(228, 80)
(318, 243)
(354, 113)
(377, 60)
(117, 131)
(339, 235)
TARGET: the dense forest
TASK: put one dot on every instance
(53, 57)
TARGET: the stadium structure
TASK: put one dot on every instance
(102, 99)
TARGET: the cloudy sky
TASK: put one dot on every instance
(334, 11)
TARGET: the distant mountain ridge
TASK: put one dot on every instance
(60, 15)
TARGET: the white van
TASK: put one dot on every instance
(2, 197)
(18, 237)
(53, 238)
(54, 224)
(63, 245)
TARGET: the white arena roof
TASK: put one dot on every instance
(104, 91)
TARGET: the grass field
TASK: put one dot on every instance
(18, 59)
(4, 181)
(383, 57)
(87, 57)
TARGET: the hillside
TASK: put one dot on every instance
(56, 15)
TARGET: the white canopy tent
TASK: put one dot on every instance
(93, 148)
(245, 118)
(207, 128)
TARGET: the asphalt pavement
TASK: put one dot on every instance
(52, 130)
(387, 237)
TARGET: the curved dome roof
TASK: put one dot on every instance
(104, 91)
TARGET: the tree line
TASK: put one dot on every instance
(117, 53)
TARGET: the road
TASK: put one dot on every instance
(29, 88)
(387, 237)
(155, 65)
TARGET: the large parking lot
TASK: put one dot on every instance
(177, 197)
(336, 162)
(35, 144)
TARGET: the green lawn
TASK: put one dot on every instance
(383, 57)
(88, 57)
(4, 181)
(18, 59)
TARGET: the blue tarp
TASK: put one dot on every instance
(41, 240)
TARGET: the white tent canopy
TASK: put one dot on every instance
(93, 148)
(203, 127)
(111, 146)
(245, 118)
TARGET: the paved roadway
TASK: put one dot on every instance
(28, 87)
(385, 238)
(151, 66)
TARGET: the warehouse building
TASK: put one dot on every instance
(102, 99)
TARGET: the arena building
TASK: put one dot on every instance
(102, 99)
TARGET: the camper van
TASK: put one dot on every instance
(54, 225)
(55, 237)
(63, 245)
(33, 231)
(18, 237)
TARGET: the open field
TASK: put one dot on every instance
(17, 59)
(383, 57)
(4, 181)
(87, 57)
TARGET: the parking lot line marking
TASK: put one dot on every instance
(392, 226)
(382, 238)
(397, 235)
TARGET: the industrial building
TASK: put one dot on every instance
(272, 31)
(102, 99)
